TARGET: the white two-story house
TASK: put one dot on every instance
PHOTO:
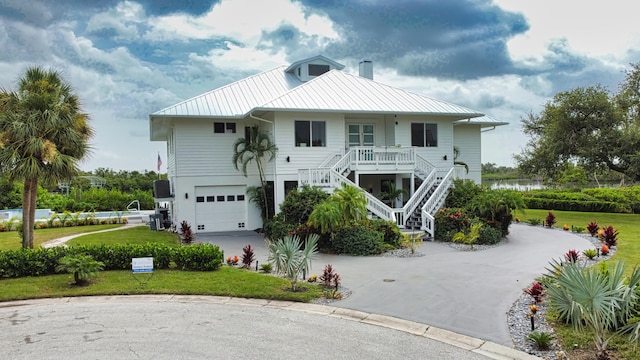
(330, 127)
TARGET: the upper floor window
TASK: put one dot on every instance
(310, 133)
(424, 135)
(224, 128)
(317, 70)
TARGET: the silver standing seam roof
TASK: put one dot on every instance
(334, 91)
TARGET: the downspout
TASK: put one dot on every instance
(275, 165)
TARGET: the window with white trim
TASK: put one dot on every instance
(224, 128)
(310, 133)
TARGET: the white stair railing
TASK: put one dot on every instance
(435, 201)
(403, 214)
(374, 204)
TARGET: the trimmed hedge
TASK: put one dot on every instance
(38, 262)
(612, 200)
(576, 205)
(358, 240)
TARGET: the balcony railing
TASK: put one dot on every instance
(382, 157)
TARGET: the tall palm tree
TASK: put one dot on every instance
(255, 149)
(43, 136)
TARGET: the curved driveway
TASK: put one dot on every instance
(468, 292)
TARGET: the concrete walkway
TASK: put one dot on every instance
(463, 295)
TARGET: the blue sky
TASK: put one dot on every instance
(127, 59)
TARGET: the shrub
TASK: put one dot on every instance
(604, 250)
(572, 255)
(593, 228)
(248, 256)
(358, 240)
(186, 233)
(540, 339)
(471, 237)
(495, 207)
(489, 236)
(536, 291)
(81, 266)
(566, 227)
(590, 253)
(277, 228)
(462, 192)
(550, 220)
(609, 236)
(390, 233)
(266, 268)
(327, 275)
(534, 222)
(299, 203)
(199, 257)
(577, 229)
(449, 221)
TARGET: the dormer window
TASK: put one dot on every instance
(317, 70)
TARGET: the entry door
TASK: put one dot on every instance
(361, 135)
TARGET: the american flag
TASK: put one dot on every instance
(159, 162)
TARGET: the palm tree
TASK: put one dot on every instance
(456, 155)
(391, 194)
(43, 135)
(254, 149)
(290, 257)
(352, 201)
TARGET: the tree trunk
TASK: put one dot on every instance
(29, 211)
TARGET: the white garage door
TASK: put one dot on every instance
(220, 208)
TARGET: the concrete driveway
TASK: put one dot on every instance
(468, 292)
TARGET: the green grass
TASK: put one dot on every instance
(10, 240)
(135, 235)
(226, 281)
(628, 251)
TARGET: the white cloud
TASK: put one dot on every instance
(123, 20)
(593, 28)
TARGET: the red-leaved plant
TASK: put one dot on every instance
(572, 256)
(593, 228)
(328, 275)
(550, 219)
(248, 256)
(609, 236)
(536, 291)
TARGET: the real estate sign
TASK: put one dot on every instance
(142, 265)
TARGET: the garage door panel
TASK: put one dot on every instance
(220, 208)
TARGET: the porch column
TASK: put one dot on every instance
(413, 184)
(356, 178)
(398, 186)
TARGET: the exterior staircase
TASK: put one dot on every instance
(418, 212)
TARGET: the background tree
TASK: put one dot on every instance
(43, 135)
(255, 148)
(586, 127)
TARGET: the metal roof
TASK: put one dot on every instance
(293, 66)
(484, 121)
(236, 99)
(337, 91)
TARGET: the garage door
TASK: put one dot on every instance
(220, 208)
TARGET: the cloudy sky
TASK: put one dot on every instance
(127, 59)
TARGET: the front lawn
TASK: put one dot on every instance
(135, 235)
(226, 281)
(10, 240)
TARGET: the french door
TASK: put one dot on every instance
(361, 134)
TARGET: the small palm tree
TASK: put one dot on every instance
(600, 301)
(352, 201)
(81, 266)
(392, 194)
(256, 148)
(327, 217)
(290, 258)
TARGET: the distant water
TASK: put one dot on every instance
(528, 184)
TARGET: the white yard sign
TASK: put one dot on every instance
(142, 265)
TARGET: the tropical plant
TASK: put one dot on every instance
(496, 207)
(534, 222)
(327, 217)
(255, 194)
(593, 228)
(540, 339)
(602, 302)
(248, 256)
(590, 253)
(471, 237)
(456, 155)
(44, 135)
(391, 193)
(186, 233)
(300, 202)
(536, 291)
(609, 236)
(257, 148)
(327, 275)
(604, 250)
(81, 266)
(351, 201)
(572, 255)
(266, 268)
(290, 257)
(550, 220)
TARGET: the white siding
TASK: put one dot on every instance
(467, 138)
(435, 154)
